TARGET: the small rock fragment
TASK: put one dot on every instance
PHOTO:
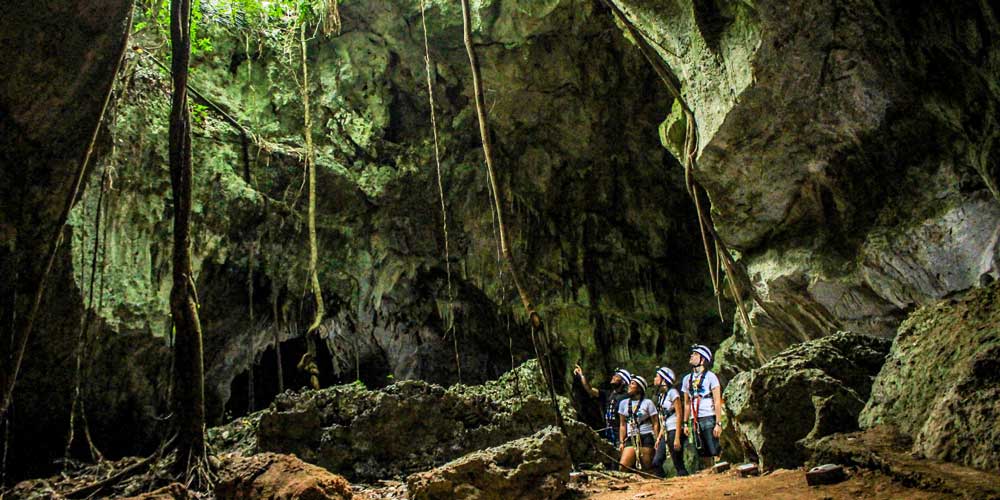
(747, 470)
(825, 474)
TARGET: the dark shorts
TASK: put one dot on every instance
(709, 444)
(645, 440)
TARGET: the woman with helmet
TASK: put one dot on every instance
(670, 407)
(638, 428)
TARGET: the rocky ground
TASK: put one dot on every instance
(844, 399)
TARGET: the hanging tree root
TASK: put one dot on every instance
(444, 212)
(534, 318)
(84, 327)
(188, 371)
(317, 291)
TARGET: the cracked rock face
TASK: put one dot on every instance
(848, 148)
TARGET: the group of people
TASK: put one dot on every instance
(647, 424)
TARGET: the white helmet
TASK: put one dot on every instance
(666, 374)
(641, 381)
(704, 351)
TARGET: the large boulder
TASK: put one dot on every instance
(534, 467)
(279, 477)
(806, 392)
(940, 383)
(409, 426)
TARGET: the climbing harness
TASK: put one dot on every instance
(634, 433)
(694, 394)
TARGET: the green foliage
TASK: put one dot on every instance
(259, 17)
(199, 113)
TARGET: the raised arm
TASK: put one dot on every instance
(583, 380)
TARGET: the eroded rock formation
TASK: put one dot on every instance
(941, 383)
(806, 392)
(407, 427)
(535, 467)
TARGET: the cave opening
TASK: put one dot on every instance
(256, 387)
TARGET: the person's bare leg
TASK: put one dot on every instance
(628, 459)
(646, 457)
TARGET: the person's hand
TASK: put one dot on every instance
(717, 431)
(677, 444)
(621, 447)
(578, 371)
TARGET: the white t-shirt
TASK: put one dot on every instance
(706, 404)
(644, 410)
(667, 406)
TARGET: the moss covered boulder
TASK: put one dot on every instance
(806, 392)
(407, 427)
(534, 467)
(941, 382)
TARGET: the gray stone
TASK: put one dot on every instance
(849, 166)
(806, 392)
(534, 467)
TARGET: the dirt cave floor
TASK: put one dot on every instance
(778, 485)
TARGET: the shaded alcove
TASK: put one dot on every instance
(263, 374)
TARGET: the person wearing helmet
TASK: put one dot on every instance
(638, 428)
(703, 405)
(610, 399)
(670, 406)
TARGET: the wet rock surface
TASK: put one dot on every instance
(806, 392)
(941, 382)
(534, 467)
(409, 426)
